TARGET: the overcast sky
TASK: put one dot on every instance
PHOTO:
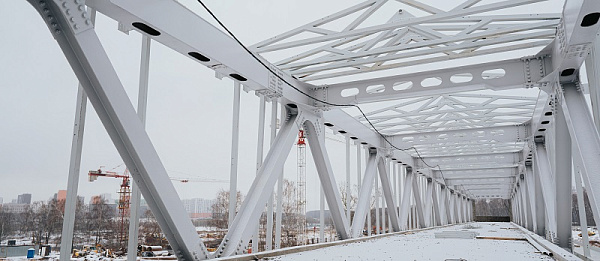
(189, 110)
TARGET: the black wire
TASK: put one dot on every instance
(316, 99)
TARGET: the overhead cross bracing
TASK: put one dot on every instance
(434, 101)
(480, 100)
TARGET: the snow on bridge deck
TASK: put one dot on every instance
(424, 246)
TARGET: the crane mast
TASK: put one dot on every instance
(301, 197)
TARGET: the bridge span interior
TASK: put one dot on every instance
(467, 100)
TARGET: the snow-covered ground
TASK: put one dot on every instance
(424, 246)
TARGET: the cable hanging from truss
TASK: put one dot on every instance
(319, 100)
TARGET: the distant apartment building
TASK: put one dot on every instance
(1, 200)
(198, 207)
(24, 199)
(14, 208)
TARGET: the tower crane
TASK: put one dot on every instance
(125, 191)
(124, 194)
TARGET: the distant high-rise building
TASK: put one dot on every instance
(1, 200)
(197, 206)
(24, 199)
(61, 195)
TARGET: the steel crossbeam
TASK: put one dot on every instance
(410, 85)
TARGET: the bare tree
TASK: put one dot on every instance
(344, 195)
(220, 208)
(7, 223)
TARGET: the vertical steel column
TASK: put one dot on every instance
(521, 210)
(322, 215)
(446, 204)
(530, 182)
(136, 194)
(540, 207)
(364, 197)
(73, 181)
(429, 202)
(563, 178)
(348, 191)
(453, 197)
(369, 218)
(582, 215)
(269, 235)
(279, 209)
(436, 205)
(586, 142)
(592, 65)
(259, 158)
(405, 207)
(526, 202)
(377, 224)
(382, 209)
(74, 168)
(395, 184)
(235, 138)
(465, 215)
(322, 201)
(358, 167)
(458, 208)
(400, 186)
(418, 203)
(389, 198)
(332, 194)
(547, 188)
(390, 169)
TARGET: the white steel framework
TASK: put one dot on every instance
(454, 133)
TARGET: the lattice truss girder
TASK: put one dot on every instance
(451, 111)
(360, 46)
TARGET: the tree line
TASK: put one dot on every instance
(96, 223)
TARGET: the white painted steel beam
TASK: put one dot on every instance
(136, 195)
(244, 225)
(573, 40)
(388, 195)
(186, 32)
(418, 203)
(74, 168)
(563, 176)
(73, 180)
(363, 206)
(437, 212)
(235, 136)
(542, 164)
(332, 194)
(406, 198)
(515, 77)
(78, 40)
(585, 139)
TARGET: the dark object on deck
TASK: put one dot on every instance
(492, 219)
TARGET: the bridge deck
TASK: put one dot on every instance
(425, 246)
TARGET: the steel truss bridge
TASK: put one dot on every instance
(460, 129)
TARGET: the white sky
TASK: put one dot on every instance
(189, 110)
